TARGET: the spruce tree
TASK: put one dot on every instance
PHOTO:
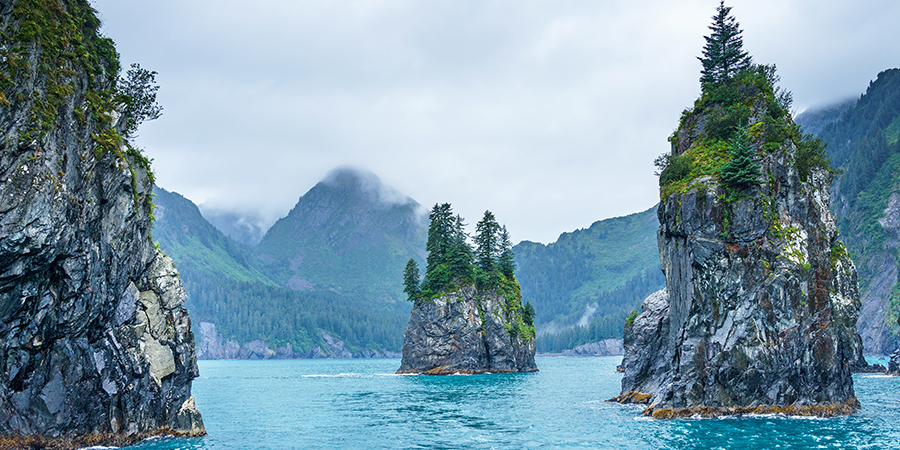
(486, 242)
(506, 260)
(440, 240)
(741, 171)
(723, 54)
(439, 235)
(460, 256)
(528, 314)
(411, 279)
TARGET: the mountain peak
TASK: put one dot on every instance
(352, 179)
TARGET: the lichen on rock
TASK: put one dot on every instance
(95, 342)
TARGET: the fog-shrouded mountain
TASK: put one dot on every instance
(813, 120)
(239, 312)
(585, 284)
(349, 234)
(862, 140)
(245, 227)
(199, 248)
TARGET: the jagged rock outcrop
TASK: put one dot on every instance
(467, 331)
(762, 315)
(762, 295)
(646, 359)
(95, 343)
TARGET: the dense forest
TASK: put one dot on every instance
(584, 285)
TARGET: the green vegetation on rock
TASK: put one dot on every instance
(454, 265)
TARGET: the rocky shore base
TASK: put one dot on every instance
(894, 364)
(835, 410)
(86, 441)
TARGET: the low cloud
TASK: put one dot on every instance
(549, 114)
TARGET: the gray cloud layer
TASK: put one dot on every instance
(548, 113)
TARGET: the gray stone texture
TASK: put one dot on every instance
(761, 304)
(94, 339)
(467, 331)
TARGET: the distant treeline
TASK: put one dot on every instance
(249, 310)
(612, 309)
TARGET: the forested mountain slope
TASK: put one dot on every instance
(349, 234)
(863, 142)
(245, 305)
(584, 285)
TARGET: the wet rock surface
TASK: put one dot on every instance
(95, 343)
(760, 309)
(467, 331)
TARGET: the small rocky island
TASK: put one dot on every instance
(761, 301)
(468, 315)
(95, 341)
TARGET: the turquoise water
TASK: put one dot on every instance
(361, 404)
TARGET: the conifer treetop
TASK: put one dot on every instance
(723, 54)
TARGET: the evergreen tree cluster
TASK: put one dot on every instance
(453, 262)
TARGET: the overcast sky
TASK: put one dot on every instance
(548, 113)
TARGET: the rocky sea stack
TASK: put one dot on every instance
(761, 302)
(468, 331)
(468, 315)
(96, 343)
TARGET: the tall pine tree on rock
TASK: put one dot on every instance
(723, 54)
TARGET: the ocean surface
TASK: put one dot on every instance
(361, 404)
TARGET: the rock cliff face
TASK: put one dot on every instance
(95, 344)
(467, 331)
(762, 298)
(761, 316)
